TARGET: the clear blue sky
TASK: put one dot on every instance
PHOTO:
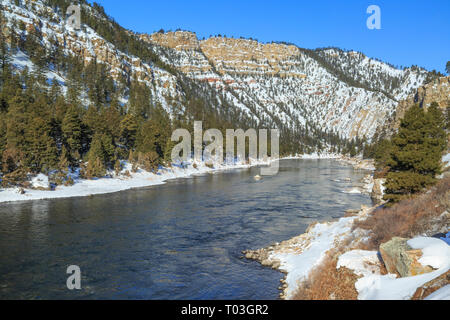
(413, 32)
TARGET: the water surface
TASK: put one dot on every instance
(181, 240)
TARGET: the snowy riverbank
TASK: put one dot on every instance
(122, 182)
(139, 179)
(298, 257)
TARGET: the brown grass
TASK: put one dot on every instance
(408, 218)
(328, 283)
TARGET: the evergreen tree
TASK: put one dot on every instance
(447, 116)
(168, 151)
(128, 131)
(2, 134)
(72, 133)
(102, 149)
(96, 163)
(416, 153)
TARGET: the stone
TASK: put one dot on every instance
(399, 258)
(432, 286)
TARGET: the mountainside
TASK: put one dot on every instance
(436, 91)
(319, 94)
(333, 89)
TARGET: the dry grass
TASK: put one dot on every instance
(408, 218)
(328, 283)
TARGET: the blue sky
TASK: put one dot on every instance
(413, 32)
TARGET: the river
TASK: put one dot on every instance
(181, 240)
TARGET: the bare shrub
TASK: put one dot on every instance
(408, 218)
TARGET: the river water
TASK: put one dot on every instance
(181, 240)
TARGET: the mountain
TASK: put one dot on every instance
(316, 97)
(437, 91)
(341, 91)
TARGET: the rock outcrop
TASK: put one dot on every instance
(265, 82)
(436, 91)
(399, 258)
(288, 83)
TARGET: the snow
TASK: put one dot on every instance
(308, 252)
(105, 185)
(441, 294)
(361, 262)
(306, 91)
(446, 160)
(352, 191)
(40, 181)
(374, 286)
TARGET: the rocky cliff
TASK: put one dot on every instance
(293, 84)
(270, 83)
(436, 91)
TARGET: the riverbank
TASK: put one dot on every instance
(149, 240)
(127, 179)
(344, 259)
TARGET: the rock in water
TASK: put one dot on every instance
(400, 258)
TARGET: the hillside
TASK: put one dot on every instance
(341, 91)
(250, 84)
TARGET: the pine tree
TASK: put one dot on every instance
(96, 159)
(63, 164)
(447, 116)
(128, 131)
(416, 153)
(72, 133)
(101, 149)
(117, 167)
(40, 152)
(5, 57)
(168, 151)
(2, 134)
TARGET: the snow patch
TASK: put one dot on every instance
(40, 182)
(441, 294)
(374, 286)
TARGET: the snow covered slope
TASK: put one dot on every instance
(342, 92)
(345, 92)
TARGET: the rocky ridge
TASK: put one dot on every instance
(291, 83)
(269, 83)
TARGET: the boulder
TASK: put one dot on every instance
(432, 286)
(399, 258)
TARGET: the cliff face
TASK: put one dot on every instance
(293, 85)
(340, 91)
(436, 91)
